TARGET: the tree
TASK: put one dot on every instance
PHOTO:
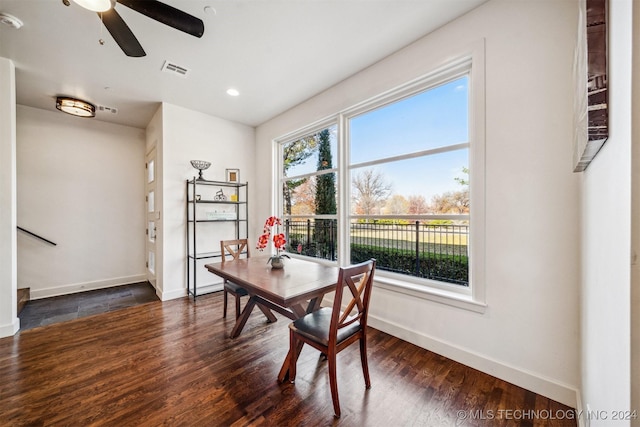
(325, 196)
(418, 205)
(371, 191)
(293, 154)
(453, 201)
(326, 184)
(303, 201)
(396, 205)
(463, 181)
(456, 202)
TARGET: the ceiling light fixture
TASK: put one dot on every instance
(95, 5)
(75, 107)
(232, 92)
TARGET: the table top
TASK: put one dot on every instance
(299, 279)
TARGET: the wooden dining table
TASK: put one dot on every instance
(293, 291)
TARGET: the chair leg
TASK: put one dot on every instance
(225, 304)
(363, 359)
(294, 356)
(238, 310)
(333, 382)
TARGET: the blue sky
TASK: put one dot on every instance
(435, 118)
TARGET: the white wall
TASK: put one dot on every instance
(81, 185)
(190, 135)
(529, 334)
(635, 222)
(606, 207)
(9, 322)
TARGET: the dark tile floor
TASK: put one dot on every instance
(46, 311)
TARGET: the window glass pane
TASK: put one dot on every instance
(302, 155)
(435, 250)
(151, 201)
(152, 262)
(315, 194)
(301, 198)
(152, 231)
(434, 118)
(305, 197)
(151, 171)
(436, 184)
(312, 237)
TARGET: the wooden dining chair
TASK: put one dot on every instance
(331, 330)
(235, 248)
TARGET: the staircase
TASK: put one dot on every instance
(24, 295)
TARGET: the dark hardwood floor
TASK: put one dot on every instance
(173, 364)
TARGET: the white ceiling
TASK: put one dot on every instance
(277, 53)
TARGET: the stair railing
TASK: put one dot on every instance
(36, 236)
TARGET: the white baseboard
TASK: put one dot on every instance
(547, 387)
(86, 286)
(180, 293)
(11, 329)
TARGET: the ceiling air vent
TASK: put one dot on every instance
(105, 109)
(170, 67)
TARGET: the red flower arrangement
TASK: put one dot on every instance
(279, 240)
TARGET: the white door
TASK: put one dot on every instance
(152, 216)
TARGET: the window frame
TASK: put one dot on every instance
(471, 63)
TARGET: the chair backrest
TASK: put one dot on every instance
(358, 280)
(234, 248)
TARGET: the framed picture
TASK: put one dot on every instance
(591, 101)
(233, 175)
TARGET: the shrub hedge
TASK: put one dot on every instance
(445, 268)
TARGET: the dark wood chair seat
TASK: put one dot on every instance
(237, 289)
(315, 326)
(331, 330)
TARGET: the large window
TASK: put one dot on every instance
(394, 178)
(409, 174)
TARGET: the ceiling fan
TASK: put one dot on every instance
(153, 9)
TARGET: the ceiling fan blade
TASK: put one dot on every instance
(121, 33)
(167, 15)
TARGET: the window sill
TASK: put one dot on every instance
(442, 296)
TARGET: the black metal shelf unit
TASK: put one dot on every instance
(216, 210)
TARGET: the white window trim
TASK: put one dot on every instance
(471, 62)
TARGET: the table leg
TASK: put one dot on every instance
(244, 316)
(270, 316)
(314, 304)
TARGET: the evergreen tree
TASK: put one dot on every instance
(326, 185)
(325, 229)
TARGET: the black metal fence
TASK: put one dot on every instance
(434, 250)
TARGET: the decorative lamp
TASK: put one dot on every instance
(200, 165)
(75, 107)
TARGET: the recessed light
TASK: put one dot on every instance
(232, 92)
(210, 10)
